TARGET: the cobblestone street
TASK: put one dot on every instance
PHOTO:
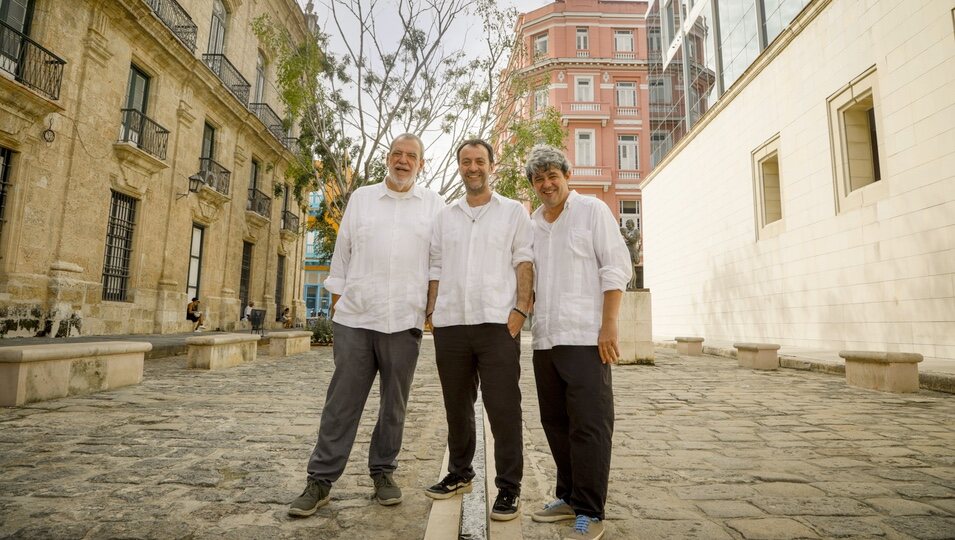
(702, 449)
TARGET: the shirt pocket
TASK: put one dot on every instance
(582, 243)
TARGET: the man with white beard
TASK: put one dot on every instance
(379, 285)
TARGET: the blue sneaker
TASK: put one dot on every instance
(585, 528)
(554, 511)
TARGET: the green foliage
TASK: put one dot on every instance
(545, 128)
(322, 332)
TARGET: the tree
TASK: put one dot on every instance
(521, 135)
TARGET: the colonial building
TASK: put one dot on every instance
(804, 191)
(587, 58)
(317, 299)
(143, 155)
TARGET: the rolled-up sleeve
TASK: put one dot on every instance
(522, 249)
(613, 258)
(338, 272)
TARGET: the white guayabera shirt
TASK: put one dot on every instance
(576, 259)
(474, 254)
(380, 264)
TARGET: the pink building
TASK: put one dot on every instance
(588, 58)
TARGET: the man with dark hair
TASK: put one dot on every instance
(379, 285)
(582, 269)
(478, 299)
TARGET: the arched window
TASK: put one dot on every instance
(217, 30)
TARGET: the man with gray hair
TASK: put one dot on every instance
(379, 285)
(582, 267)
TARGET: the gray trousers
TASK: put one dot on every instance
(487, 353)
(360, 355)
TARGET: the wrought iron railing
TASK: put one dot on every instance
(214, 175)
(31, 64)
(140, 130)
(259, 202)
(176, 19)
(290, 143)
(289, 221)
(268, 117)
(229, 75)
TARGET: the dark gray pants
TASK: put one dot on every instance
(575, 393)
(360, 355)
(487, 353)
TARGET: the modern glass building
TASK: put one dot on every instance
(697, 50)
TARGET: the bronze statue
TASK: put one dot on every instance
(631, 237)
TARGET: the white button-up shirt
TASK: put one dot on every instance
(380, 264)
(576, 259)
(474, 254)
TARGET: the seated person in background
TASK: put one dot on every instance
(194, 314)
(248, 311)
(286, 319)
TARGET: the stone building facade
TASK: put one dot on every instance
(588, 59)
(143, 158)
(812, 202)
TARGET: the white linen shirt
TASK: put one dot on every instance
(576, 259)
(380, 264)
(474, 260)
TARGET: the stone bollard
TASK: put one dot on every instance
(757, 355)
(896, 372)
(690, 346)
(635, 328)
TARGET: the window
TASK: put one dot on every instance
(584, 147)
(669, 21)
(5, 157)
(653, 40)
(660, 90)
(119, 247)
(583, 39)
(630, 210)
(137, 96)
(777, 14)
(623, 40)
(540, 99)
(854, 121)
(279, 287)
(208, 142)
(540, 45)
(217, 29)
(259, 95)
(311, 300)
(584, 89)
(195, 262)
(627, 152)
(17, 14)
(626, 94)
(766, 179)
(245, 277)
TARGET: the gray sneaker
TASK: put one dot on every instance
(554, 511)
(387, 492)
(315, 496)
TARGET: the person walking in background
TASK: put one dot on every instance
(478, 299)
(379, 285)
(583, 267)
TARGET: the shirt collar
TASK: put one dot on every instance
(568, 202)
(383, 191)
(463, 201)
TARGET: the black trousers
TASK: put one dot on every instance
(575, 392)
(485, 353)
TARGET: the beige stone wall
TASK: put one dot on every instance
(876, 274)
(53, 242)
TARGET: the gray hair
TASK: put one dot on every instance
(411, 136)
(544, 157)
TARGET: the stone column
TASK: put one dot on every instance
(635, 328)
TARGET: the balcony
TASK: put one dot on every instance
(628, 175)
(289, 222)
(142, 132)
(229, 76)
(214, 175)
(29, 63)
(290, 143)
(585, 109)
(583, 54)
(177, 20)
(627, 111)
(625, 55)
(587, 172)
(260, 203)
(268, 117)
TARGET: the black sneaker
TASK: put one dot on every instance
(315, 496)
(506, 507)
(450, 486)
(387, 492)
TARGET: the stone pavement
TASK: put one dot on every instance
(702, 449)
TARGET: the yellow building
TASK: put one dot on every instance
(143, 157)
